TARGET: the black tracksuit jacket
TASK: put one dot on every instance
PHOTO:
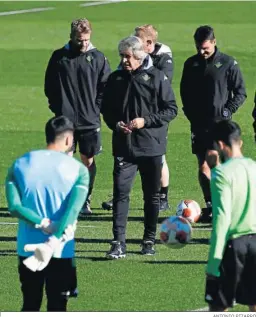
(211, 89)
(144, 93)
(162, 59)
(74, 85)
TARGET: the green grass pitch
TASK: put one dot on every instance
(172, 280)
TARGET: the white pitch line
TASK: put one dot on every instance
(202, 229)
(26, 11)
(101, 2)
(206, 308)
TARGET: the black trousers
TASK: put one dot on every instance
(124, 173)
(59, 278)
(237, 279)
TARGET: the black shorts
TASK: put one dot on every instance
(59, 278)
(201, 142)
(89, 142)
(237, 281)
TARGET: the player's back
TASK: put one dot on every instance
(45, 178)
(240, 174)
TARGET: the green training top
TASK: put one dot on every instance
(233, 190)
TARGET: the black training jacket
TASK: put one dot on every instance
(145, 93)
(211, 89)
(74, 84)
(163, 59)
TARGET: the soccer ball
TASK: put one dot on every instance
(175, 232)
(189, 209)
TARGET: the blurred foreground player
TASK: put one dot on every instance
(45, 190)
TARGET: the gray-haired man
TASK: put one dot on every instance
(162, 59)
(137, 106)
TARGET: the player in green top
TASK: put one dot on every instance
(231, 268)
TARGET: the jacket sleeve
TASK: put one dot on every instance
(237, 88)
(166, 66)
(103, 76)
(108, 105)
(51, 83)
(185, 92)
(166, 104)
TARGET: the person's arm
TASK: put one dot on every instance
(108, 104)
(185, 92)
(103, 76)
(167, 106)
(51, 83)
(166, 65)
(237, 88)
(221, 210)
(14, 202)
(76, 200)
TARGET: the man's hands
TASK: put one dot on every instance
(48, 226)
(137, 123)
(123, 127)
(127, 128)
(43, 252)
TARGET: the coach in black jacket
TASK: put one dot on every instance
(161, 56)
(138, 104)
(211, 88)
(74, 82)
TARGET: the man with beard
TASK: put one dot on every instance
(232, 256)
(45, 190)
(212, 88)
(74, 82)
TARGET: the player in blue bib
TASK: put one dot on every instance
(45, 190)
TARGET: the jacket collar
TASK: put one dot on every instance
(211, 59)
(68, 47)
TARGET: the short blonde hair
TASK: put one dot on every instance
(81, 26)
(146, 31)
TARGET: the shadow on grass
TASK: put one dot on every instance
(176, 262)
(5, 215)
(99, 208)
(200, 241)
(85, 240)
(8, 239)
(92, 258)
(99, 217)
(8, 252)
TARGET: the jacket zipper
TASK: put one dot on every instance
(129, 136)
(76, 105)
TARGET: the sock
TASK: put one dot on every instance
(205, 185)
(92, 171)
(164, 193)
